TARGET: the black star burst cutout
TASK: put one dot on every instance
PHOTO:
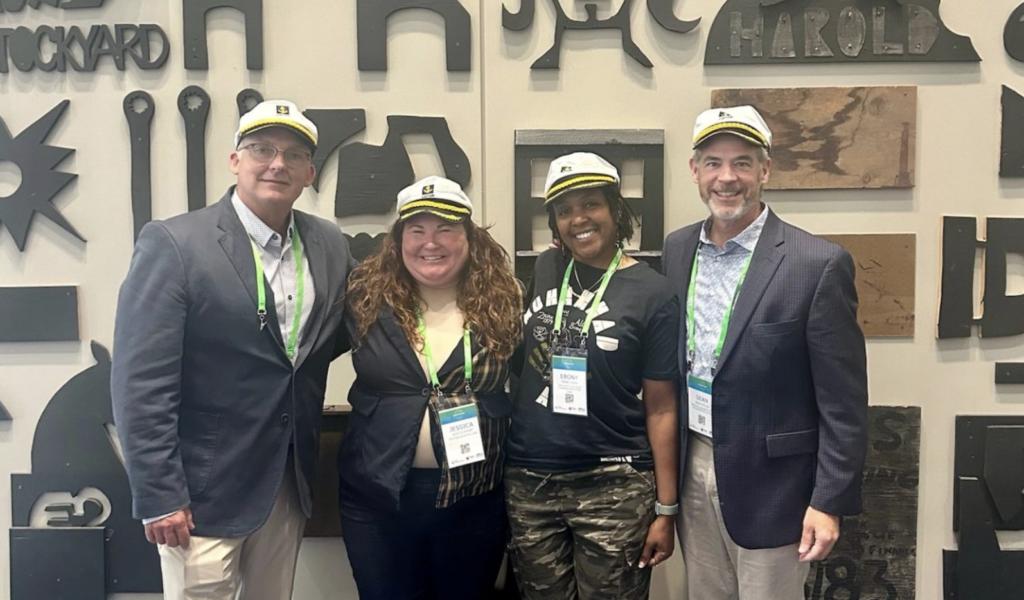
(40, 183)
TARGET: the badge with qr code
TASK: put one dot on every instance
(569, 382)
(460, 428)
(698, 394)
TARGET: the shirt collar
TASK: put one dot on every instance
(259, 231)
(747, 239)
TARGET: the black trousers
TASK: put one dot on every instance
(422, 552)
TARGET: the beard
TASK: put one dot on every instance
(731, 214)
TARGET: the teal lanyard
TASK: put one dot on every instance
(594, 306)
(467, 353)
(261, 290)
(691, 342)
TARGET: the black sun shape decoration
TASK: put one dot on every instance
(40, 183)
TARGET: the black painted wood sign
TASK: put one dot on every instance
(750, 32)
(876, 555)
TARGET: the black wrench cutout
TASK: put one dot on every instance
(194, 106)
(138, 110)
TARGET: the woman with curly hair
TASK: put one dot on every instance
(433, 318)
(592, 467)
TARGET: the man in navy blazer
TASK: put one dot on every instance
(773, 425)
(226, 325)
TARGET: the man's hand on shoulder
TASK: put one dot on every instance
(821, 532)
(172, 530)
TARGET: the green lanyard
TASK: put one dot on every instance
(261, 290)
(691, 294)
(594, 306)
(467, 352)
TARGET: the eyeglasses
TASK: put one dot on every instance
(265, 153)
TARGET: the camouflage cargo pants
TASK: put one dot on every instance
(579, 535)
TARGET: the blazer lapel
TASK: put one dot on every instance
(236, 244)
(768, 256)
(313, 249)
(397, 338)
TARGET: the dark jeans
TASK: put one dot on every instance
(422, 552)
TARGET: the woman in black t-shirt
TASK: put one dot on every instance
(591, 477)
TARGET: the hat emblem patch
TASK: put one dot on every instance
(282, 109)
(566, 169)
(724, 115)
(428, 189)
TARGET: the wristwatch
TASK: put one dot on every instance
(666, 509)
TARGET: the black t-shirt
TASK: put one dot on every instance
(632, 338)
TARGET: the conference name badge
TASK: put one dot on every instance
(698, 392)
(569, 382)
(460, 428)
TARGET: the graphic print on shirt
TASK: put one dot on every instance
(543, 308)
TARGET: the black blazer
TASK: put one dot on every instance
(790, 394)
(205, 403)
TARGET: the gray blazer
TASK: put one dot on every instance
(790, 394)
(206, 404)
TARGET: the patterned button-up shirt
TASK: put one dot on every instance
(717, 275)
(280, 270)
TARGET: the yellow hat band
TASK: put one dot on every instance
(744, 131)
(582, 181)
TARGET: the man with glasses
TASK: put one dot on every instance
(226, 325)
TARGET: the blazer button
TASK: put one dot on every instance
(285, 418)
(425, 392)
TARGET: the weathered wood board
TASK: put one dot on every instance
(836, 138)
(876, 555)
(885, 265)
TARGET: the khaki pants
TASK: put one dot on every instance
(260, 566)
(579, 535)
(716, 568)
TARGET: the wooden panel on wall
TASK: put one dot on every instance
(885, 265)
(876, 555)
(836, 138)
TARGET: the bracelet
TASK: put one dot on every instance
(666, 509)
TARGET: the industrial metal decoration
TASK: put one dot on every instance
(371, 31)
(77, 501)
(138, 110)
(40, 181)
(986, 498)
(80, 50)
(194, 21)
(1003, 314)
(194, 106)
(13, 6)
(362, 245)
(1011, 154)
(39, 314)
(5, 415)
(751, 32)
(335, 125)
(370, 177)
(1013, 34)
(247, 100)
(661, 10)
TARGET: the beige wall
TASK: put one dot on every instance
(311, 58)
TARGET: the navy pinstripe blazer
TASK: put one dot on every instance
(790, 395)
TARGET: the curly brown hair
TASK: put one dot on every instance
(489, 295)
(622, 214)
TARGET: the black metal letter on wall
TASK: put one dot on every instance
(989, 476)
(39, 314)
(5, 415)
(661, 10)
(1013, 34)
(371, 31)
(18, 5)
(194, 20)
(617, 146)
(876, 554)
(370, 177)
(1003, 314)
(40, 182)
(78, 485)
(1011, 155)
(749, 32)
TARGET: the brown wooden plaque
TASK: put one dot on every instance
(836, 138)
(885, 281)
